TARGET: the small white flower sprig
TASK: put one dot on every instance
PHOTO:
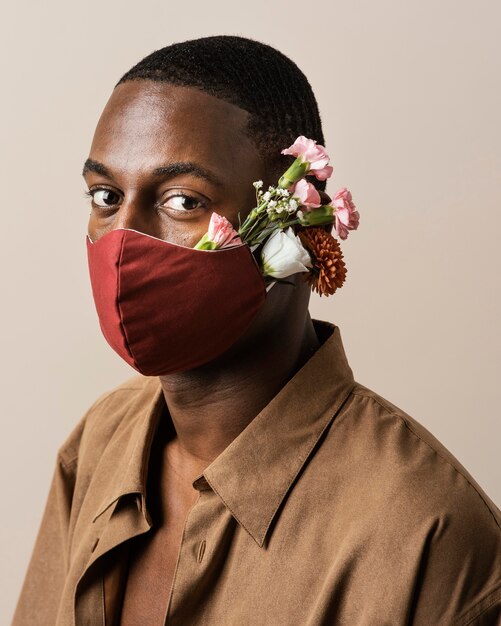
(294, 203)
(275, 209)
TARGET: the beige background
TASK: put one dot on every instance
(410, 97)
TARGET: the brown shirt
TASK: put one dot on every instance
(332, 507)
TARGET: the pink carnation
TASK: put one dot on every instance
(314, 153)
(346, 216)
(221, 232)
(307, 194)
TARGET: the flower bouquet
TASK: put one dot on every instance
(286, 229)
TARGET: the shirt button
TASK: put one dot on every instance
(201, 550)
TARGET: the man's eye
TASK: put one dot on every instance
(183, 202)
(103, 197)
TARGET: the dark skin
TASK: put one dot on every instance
(145, 125)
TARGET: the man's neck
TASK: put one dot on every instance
(210, 406)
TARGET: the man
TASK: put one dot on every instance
(265, 486)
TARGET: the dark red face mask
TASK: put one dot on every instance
(166, 308)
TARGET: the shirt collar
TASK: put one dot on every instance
(256, 470)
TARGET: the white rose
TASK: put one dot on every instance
(283, 254)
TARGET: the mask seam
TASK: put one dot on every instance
(119, 307)
(178, 245)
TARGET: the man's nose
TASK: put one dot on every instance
(137, 215)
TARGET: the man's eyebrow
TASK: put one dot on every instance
(170, 170)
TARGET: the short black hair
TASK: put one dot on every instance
(250, 74)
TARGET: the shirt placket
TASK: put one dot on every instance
(206, 526)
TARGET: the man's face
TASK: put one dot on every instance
(183, 133)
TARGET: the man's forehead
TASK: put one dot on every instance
(147, 126)
(150, 102)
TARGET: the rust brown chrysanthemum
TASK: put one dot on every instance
(329, 270)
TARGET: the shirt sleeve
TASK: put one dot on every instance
(485, 612)
(41, 591)
(44, 580)
(460, 579)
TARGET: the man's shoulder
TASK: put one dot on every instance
(411, 493)
(102, 418)
(409, 465)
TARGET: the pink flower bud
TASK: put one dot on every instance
(307, 194)
(221, 232)
(315, 154)
(346, 216)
